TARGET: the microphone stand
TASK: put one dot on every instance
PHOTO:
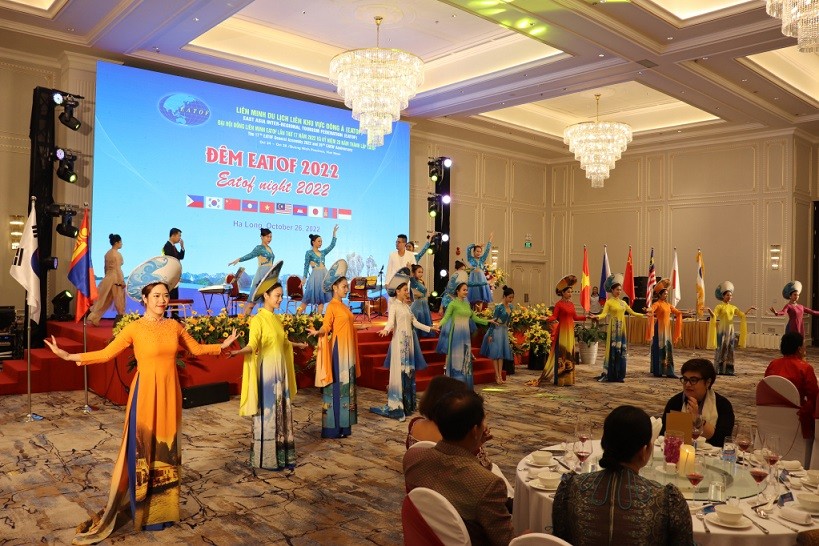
(380, 292)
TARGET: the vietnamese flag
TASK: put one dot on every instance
(267, 207)
(628, 278)
(585, 284)
(233, 204)
(81, 272)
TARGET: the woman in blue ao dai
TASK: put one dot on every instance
(314, 259)
(458, 276)
(496, 345)
(420, 302)
(455, 340)
(479, 293)
(404, 357)
(264, 254)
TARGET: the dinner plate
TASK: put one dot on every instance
(528, 460)
(662, 470)
(538, 485)
(744, 523)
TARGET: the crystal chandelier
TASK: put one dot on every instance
(597, 145)
(800, 20)
(376, 83)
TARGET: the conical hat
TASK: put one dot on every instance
(617, 278)
(661, 285)
(793, 286)
(725, 286)
(336, 271)
(166, 269)
(564, 283)
(401, 276)
(268, 280)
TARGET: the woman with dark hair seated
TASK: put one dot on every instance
(712, 412)
(616, 505)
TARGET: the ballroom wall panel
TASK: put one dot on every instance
(495, 177)
(717, 171)
(623, 186)
(529, 183)
(804, 166)
(775, 161)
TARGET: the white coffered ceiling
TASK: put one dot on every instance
(672, 69)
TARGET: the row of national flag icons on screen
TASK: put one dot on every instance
(267, 207)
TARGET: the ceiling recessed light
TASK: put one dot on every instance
(776, 98)
(744, 79)
(670, 38)
(705, 58)
(196, 19)
(679, 130)
(601, 54)
(640, 73)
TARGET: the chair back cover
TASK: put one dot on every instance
(416, 530)
(423, 444)
(776, 413)
(780, 385)
(510, 490)
(294, 290)
(538, 539)
(441, 516)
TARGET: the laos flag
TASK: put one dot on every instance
(81, 272)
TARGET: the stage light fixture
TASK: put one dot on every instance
(447, 162)
(446, 199)
(67, 115)
(443, 273)
(65, 167)
(66, 214)
(433, 205)
(434, 294)
(445, 237)
(435, 172)
(61, 302)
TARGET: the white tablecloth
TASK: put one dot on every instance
(533, 512)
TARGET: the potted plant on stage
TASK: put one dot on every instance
(588, 336)
(538, 339)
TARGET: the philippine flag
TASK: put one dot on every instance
(233, 204)
(213, 203)
(345, 214)
(314, 212)
(195, 201)
(299, 210)
(250, 206)
(329, 213)
(267, 207)
(284, 208)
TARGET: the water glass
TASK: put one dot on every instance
(716, 489)
(729, 453)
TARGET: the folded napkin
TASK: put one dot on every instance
(794, 515)
(790, 466)
(656, 425)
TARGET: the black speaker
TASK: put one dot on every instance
(640, 285)
(639, 305)
(202, 395)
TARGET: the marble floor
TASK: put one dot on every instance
(55, 472)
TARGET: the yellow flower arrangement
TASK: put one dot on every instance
(215, 328)
(495, 277)
(124, 321)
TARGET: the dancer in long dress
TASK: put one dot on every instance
(458, 276)
(616, 358)
(269, 385)
(661, 337)
(563, 356)
(420, 301)
(313, 285)
(794, 310)
(479, 293)
(404, 357)
(337, 361)
(146, 475)
(721, 335)
(111, 289)
(496, 345)
(455, 340)
(265, 257)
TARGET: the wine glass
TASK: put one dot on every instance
(771, 451)
(583, 430)
(696, 432)
(759, 473)
(695, 474)
(744, 440)
(582, 450)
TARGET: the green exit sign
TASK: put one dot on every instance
(527, 244)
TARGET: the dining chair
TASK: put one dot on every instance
(423, 444)
(777, 404)
(359, 294)
(441, 516)
(510, 489)
(295, 293)
(538, 539)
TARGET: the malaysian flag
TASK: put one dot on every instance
(652, 280)
(284, 208)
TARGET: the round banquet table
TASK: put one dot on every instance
(533, 507)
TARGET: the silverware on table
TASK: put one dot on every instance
(701, 516)
(760, 527)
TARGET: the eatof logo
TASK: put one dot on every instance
(184, 109)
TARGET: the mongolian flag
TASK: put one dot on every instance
(604, 274)
(81, 272)
(585, 285)
(700, 285)
(652, 280)
(628, 279)
(676, 291)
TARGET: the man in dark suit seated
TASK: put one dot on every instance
(451, 469)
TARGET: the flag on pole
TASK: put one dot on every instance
(585, 284)
(700, 285)
(25, 266)
(628, 279)
(604, 274)
(676, 292)
(652, 280)
(81, 272)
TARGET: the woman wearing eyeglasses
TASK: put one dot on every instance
(711, 411)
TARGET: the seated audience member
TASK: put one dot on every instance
(711, 411)
(616, 505)
(793, 367)
(451, 469)
(424, 428)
